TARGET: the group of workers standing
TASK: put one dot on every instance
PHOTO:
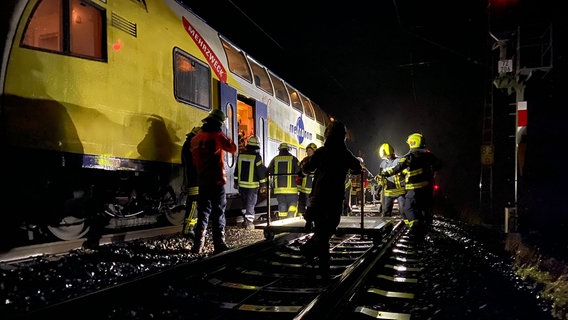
(313, 188)
(204, 181)
(417, 169)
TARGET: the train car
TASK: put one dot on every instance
(97, 97)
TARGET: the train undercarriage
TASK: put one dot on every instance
(68, 203)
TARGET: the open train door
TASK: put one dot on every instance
(261, 131)
(228, 104)
(261, 128)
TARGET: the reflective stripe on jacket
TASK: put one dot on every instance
(394, 185)
(284, 168)
(306, 183)
(249, 171)
(421, 165)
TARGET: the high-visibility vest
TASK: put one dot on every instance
(284, 169)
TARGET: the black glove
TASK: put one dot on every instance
(309, 227)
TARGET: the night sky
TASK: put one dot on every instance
(391, 68)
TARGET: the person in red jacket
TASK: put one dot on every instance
(208, 149)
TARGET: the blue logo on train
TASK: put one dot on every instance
(299, 131)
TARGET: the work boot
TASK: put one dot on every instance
(197, 247)
(219, 241)
(308, 251)
(248, 225)
(198, 243)
(221, 247)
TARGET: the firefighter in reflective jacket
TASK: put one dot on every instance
(250, 178)
(421, 165)
(283, 170)
(392, 187)
(347, 196)
(357, 196)
(305, 182)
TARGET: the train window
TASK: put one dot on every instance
(280, 89)
(321, 116)
(237, 61)
(260, 76)
(295, 97)
(308, 110)
(192, 80)
(70, 27)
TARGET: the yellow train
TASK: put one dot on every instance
(97, 97)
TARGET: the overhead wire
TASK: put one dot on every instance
(324, 69)
(256, 25)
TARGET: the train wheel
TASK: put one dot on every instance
(69, 228)
(173, 209)
(175, 215)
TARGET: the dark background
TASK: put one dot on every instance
(391, 68)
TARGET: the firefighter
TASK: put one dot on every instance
(208, 149)
(305, 183)
(250, 179)
(391, 187)
(283, 170)
(358, 186)
(421, 165)
(189, 185)
(347, 196)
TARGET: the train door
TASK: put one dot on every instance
(252, 119)
(228, 104)
(261, 128)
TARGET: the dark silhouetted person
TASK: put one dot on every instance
(284, 169)
(208, 148)
(331, 163)
(250, 179)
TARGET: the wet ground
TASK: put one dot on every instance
(467, 274)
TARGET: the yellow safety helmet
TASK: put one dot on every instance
(385, 150)
(312, 146)
(283, 146)
(253, 142)
(416, 140)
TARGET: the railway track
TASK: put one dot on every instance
(19, 254)
(269, 279)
